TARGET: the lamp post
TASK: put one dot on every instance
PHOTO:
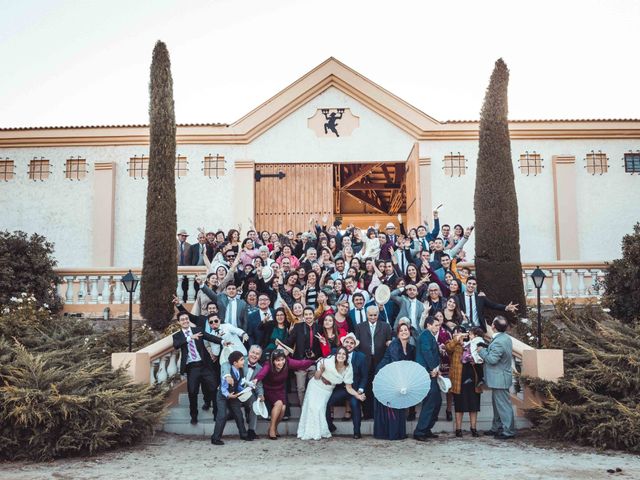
(538, 277)
(130, 282)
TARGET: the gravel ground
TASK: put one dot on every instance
(169, 456)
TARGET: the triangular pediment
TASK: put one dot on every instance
(333, 73)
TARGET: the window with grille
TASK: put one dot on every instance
(597, 163)
(632, 162)
(75, 168)
(39, 169)
(455, 165)
(214, 166)
(138, 166)
(530, 164)
(182, 166)
(6, 169)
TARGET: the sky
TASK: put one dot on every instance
(86, 62)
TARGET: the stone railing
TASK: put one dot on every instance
(157, 363)
(91, 290)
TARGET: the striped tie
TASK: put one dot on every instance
(192, 349)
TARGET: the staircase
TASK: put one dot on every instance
(178, 420)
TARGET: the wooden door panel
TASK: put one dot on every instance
(412, 185)
(287, 204)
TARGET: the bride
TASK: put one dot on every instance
(331, 371)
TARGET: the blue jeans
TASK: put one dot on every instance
(339, 397)
(430, 410)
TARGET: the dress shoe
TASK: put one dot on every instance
(449, 416)
(502, 436)
(419, 438)
(194, 421)
(357, 436)
(474, 433)
(490, 433)
(206, 406)
(458, 433)
(332, 427)
(431, 435)
(252, 435)
(216, 442)
(246, 439)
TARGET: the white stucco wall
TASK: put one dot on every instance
(291, 141)
(608, 205)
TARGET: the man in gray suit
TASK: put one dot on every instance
(232, 309)
(251, 368)
(409, 305)
(498, 377)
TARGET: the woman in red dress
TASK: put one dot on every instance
(274, 376)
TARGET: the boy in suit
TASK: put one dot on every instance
(428, 356)
(195, 361)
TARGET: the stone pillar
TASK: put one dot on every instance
(104, 190)
(426, 206)
(565, 207)
(244, 191)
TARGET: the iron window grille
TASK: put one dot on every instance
(7, 169)
(455, 165)
(75, 168)
(531, 163)
(138, 166)
(182, 166)
(632, 162)
(39, 169)
(597, 163)
(214, 166)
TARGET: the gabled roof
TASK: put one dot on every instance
(330, 73)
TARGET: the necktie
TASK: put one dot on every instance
(181, 253)
(192, 348)
(360, 316)
(310, 338)
(471, 309)
(373, 331)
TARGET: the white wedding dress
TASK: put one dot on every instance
(313, 420)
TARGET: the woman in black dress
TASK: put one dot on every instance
(391, 423)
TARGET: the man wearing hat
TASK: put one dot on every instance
(340, 395)
(182, 253)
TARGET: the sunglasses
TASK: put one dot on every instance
(211, 322)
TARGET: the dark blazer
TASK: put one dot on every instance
(352, 318)
(388, 314)
(299, 340)
(382, 335)
(193, 256)
(360, 370)
(180, 342)
(254, 330)
(482, 302)
(428, 354)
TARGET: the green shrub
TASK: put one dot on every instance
(58, 393)
(597, 402)
(622, 281)
(26, 265)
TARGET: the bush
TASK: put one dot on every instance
(622, 281)
(58, 394)
(597, 402)
(26, 265)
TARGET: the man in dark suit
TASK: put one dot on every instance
(197, 251)
(304, 339)
(231, 309)
(182, 256)
(374, 338)
(195, 361)
(357, 314)
(473, 305)
(428, 356)
(256, 319)
(358, 363)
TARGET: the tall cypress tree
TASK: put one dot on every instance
(159, 269)
(498, 265)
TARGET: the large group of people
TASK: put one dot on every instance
(321, 312)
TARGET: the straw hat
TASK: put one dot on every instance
(352, 336)
(260, 409)
(382, 295)
(444, 383)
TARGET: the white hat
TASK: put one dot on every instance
(352, 336)
(260, 409)
(444, 383)
(390, 225)
(267, 273)
(382, 295)
(245, 394)
(183, 232)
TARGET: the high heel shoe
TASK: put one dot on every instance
(458, 433)
(474, 433)
(449, 416)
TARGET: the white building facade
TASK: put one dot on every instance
(578, 181)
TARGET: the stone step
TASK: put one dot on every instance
(204, 427)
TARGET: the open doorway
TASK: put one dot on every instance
(369, 193)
